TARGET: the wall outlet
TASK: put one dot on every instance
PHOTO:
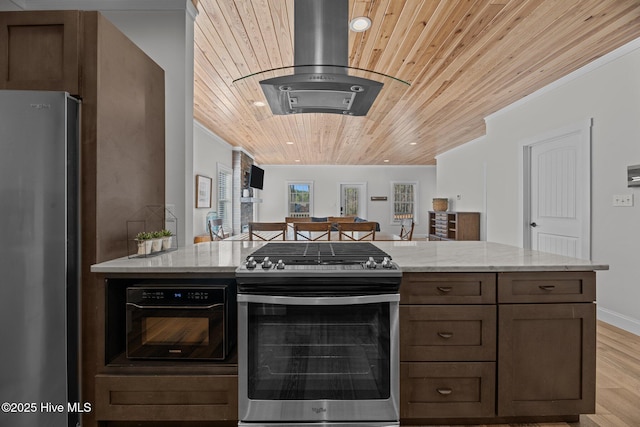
(623, 200)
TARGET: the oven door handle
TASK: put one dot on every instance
(179, 307)
(342, 300)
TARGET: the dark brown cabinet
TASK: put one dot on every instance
(167, 397)
(40, 51)
(496, 347)
(447, 346)
(546, 344)
(454, 226)
(184, 392)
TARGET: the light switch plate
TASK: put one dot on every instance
(623, 200)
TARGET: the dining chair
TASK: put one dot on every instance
(324, 228)
(366, 230)
(257, 228)
(290, 220)
(406, 229)
(216, 232)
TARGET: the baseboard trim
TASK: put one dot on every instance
(627, 323)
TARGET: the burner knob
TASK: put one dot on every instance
(251, 263)
(371, 263)
(266, 263)
(386, 262)
(280, 265)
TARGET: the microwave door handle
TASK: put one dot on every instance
(180, 307)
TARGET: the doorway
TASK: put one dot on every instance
(353, 199)
(557, 191)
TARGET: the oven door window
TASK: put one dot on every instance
(175, 333)
(318, 352)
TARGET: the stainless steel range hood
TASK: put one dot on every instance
(321, 83)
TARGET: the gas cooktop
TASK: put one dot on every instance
(291, 267)
(324, 253)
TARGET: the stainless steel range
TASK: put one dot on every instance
(318, 336)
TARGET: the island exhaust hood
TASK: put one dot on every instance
(320, 82)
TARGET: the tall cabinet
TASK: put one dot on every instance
(122, 132)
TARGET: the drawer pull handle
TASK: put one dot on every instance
(445, 335)
(444, 289)
(547, 287)
(444, 391)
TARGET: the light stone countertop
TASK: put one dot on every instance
(414, 256)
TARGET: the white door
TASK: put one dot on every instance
(559, 214)
(353, 199)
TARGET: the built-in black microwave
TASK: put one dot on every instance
(180, 322)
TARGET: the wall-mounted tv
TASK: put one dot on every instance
(256, 177)
(633, 176)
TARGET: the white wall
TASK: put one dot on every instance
(326, 181)
(209, 150)
(608, 91)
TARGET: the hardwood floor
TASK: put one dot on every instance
(618, 379)
(618, 382)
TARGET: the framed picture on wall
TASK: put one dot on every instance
(203, 191)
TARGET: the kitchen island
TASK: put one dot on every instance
(488, 333)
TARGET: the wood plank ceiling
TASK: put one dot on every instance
(465, 59)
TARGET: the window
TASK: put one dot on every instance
(224, 197)
(299, 199)
(405, 201)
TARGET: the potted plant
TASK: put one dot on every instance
(156, 238)
(166, 239)
(144, 243)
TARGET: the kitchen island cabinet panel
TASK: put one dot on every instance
(443, 333)
(166, 397)
(447, 390)
(547, 287)
(448, 288)
(547, 359)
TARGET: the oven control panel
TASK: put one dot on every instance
(175, 295)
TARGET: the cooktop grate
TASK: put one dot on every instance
(320, 252)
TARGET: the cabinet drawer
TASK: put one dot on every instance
(447, 390)
(547, 287)
(448, 288)
(166, 397)
(447, 333)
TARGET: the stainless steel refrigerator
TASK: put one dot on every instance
(39, 258)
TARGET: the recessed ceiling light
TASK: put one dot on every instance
(289, 142)
(297, 160)
(413, 143)
(386, 160)
(259, 104)
(360, 24)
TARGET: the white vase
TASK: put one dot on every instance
(144, 247)
(141, 247)
(156, 245)
(166, 243)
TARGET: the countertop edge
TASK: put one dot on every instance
(413, 257)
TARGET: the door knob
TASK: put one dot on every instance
(533, 224)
